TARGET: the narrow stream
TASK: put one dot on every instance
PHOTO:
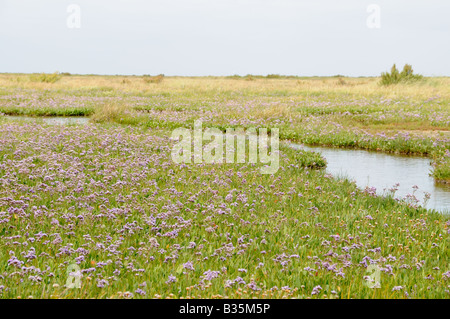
(368, 169)
(52, 120)
(383, 171)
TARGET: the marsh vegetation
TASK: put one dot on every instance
(106, 196)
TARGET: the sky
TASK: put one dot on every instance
(225, 37)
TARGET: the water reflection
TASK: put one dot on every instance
(383, 171)
(56, 120)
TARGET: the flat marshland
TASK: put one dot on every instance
(104, 200)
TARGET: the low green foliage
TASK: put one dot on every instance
(305, 158)
(45, 77)
(441, 171)
(109, 200)
(108, 197)
(394, 77)
(153, 79)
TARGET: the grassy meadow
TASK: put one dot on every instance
(107, 199)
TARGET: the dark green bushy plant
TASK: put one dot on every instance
(153, 79)
(45, 77)
(394, 77)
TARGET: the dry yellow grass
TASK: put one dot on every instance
(110, 112)
(436, 86)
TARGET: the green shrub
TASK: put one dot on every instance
(110, 112)
(153, 79)
(304, 158)
(45, 77)
(394, 77)
(441, 170)
(341, 81)
(234, 77)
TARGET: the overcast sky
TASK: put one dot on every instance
(224, 37)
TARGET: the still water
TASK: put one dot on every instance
(367, 169)
(383, 171)
(56, 120)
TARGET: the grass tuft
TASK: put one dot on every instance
(153, 79)
(45, 77)
(110, 112)
(395, 77)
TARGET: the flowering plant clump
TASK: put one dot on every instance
(102, 211)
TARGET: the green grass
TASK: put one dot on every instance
(116, 175)
(45, 77)
(47, 111)
(355, 113)
(293, 212)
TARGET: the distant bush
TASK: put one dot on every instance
(45, 77)
(394, 77)
(234, 77)
(251, 77)
(153, 79)
(304, 158)
(110, 112)
(278, 76)
(66, 74)
(341, 81)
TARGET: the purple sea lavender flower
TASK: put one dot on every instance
(88, 270)
(316, 290)
(189, 265)
(253, 286)
(102, 283)
(141, 292)
(239, 281)
(35, 278)
(228, 283)
(210, 274)
(171, 279)
(13, 261)
(192, 245)
(335, 237)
